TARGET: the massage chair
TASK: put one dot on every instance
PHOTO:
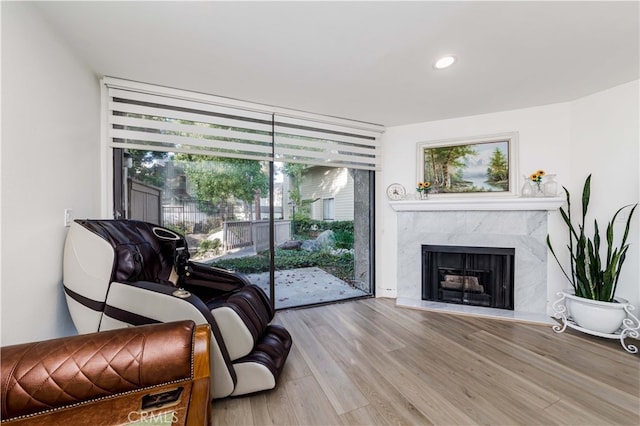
(122, 273)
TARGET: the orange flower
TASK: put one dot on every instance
(537, 176)
(423, 186)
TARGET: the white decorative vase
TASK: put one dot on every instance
(602, 317)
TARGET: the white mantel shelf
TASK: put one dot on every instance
(462, 204)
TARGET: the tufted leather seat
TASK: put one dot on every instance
(113, 377)
(120, 272)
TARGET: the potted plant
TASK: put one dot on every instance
(592, 304)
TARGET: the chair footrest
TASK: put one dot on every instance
(271, 351)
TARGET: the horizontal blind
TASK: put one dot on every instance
(139, 120)
(311, 142)
(147, 117)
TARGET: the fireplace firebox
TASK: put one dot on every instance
(478, 276)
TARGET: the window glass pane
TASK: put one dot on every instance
(330, 215)
(199, 196)
(328, 208)
(322, 220)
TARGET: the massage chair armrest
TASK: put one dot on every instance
(210, 281)
(145, 302)
(109, 376)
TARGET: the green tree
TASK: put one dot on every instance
(148, 167)
(498, 170)
(296, 172)
(443, 163)
(221, 179)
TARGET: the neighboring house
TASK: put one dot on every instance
(329, 193)
(278, 200)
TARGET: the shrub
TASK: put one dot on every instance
(341, 226)
(340, 265)
(210, 245)
(177, 229)
(306, 228)
(343, 239)
(246, 265)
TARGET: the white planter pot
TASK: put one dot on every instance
(602, 317)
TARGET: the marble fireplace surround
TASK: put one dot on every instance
(514, 222)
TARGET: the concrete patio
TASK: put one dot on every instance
(304, 286)
(295, 287)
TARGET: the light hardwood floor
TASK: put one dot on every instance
(368, 362)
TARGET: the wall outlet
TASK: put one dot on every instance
(68, 217)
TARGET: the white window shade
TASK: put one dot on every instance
(160, 123)
(312, 142)
(146, 117)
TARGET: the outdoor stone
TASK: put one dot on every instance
(341, 251)
(326, 239)
(310, 245)
(291, 245)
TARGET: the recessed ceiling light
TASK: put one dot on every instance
(444, 62)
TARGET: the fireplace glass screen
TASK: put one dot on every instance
(478, 276)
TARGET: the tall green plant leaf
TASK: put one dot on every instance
(567, 220)
(592, 276)
(626, 229)
(624, 246)
(556, 257)
(621, 258)
(586, 195)
(596, 243)
(572, 234)
(581, 262)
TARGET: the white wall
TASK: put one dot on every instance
(598, 133)
(605, 141)
(50, 161)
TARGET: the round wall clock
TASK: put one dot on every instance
(396, 192)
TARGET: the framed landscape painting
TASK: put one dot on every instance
(484, 165)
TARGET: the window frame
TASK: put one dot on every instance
(332, 208)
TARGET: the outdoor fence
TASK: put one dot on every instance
(246, 233)
(144, 202)
(195, 216)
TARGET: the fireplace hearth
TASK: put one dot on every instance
(477, 276)
(519, 223)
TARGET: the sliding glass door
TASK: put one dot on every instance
(282, 196)
(328, 257)
(321, 227)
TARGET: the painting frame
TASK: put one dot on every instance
(434, 165)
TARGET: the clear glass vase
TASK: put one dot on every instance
(550, 186)
(527, 189)
(538, 189)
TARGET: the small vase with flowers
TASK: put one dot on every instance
(423, 189)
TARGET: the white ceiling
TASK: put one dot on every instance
(368, 61)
